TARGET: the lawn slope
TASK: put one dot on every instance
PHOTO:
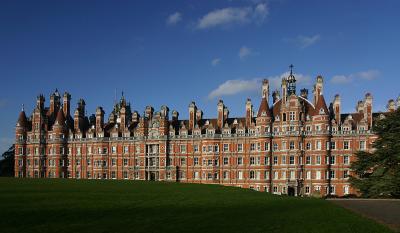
(44, 205)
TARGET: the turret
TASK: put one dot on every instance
(40, 102)
(221, 115)
(192, 115)
(99, 119)
(284, 90)
(265, 89)
(21, 123)
(66, 104)
(337, 109)
(149, 112)
(318, 88)
(391, 106)
(54, 102)
(175, 115)
(368, 109)
(249, 112)
(304, 93)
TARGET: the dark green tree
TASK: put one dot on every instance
(378, 172)
(7, 162)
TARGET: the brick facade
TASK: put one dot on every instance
(294, 145)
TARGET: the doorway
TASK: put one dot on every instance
(291, 191)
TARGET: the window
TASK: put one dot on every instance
(362, 145)
(266, 146)
(308, 146)
(318, 160)
(332, 174)
(283, 159)
(183, 161)
(291, 160)
(346, 145)
(276, 175)
(266, 160)
(292, 116)
(346, 159)
(239, 160)
(125, 162)
(113, 176)
(308, 160)
(308, 175)
(275, 147)
(291, 145)
(252, 146)
(113, 162)
(292, 175)
(284, 117)
(318, 145)
(252, 175)
(346, 190)
(240, 175)
(275, 160)
(346, 174)
(318, 175)
(88, 162)
(125, 174)
(226, 161)
(113, 149)
(196, 148)
(283, 145)
(252, 160)
(226, 147)
(216, 148)
(126, 149)
(183, 148)
(307, 189)
(333, 159)
(196, 161)
(240, 147)
(333, 145)
(226, 175)
(266, 175)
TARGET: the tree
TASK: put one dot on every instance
(378, 172)
(7, 163)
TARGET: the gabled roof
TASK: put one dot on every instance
(264, 108)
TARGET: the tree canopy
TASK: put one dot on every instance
(378, 171)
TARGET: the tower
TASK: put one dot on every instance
(318, 88)
(291, 82)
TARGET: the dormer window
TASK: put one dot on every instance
(277, 118)
(321, 111)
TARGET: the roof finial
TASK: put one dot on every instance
(23, 108)
(291, 69)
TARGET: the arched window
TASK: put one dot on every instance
(252, 175)
(284, 117)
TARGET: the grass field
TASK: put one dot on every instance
(44, 205)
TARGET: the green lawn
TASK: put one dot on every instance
(44, 205)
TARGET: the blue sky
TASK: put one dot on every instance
(173, 52)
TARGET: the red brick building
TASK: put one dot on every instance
(294, 144)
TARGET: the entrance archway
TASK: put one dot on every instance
(291, 191)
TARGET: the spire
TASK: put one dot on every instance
(23, 108)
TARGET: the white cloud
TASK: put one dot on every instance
(237, 86)
(215, 61)
(231, 16)
(244, 52)
(367, 75)
(340, 79)
(304, 41)
(233, 87)
(174, 18)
